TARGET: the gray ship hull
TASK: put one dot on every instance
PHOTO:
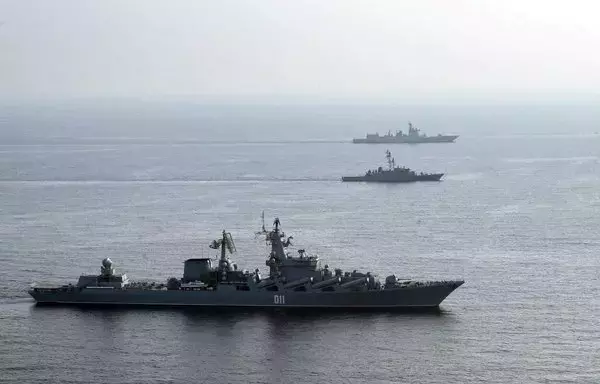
(406, 140)
(418, 296)
(391, 178)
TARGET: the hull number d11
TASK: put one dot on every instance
(279, 299)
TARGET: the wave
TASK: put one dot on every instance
(166, 181)
(520, 136)
(166, 142)
(464, 176)
(549, 159)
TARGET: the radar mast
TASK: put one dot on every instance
(226, 244)
(390, 159)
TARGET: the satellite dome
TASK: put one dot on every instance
(107, 263)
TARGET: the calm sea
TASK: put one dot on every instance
(517, 216)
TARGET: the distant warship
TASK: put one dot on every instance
(394, 174)
(293, 282)
(413, 137)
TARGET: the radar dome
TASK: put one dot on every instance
(107, 263)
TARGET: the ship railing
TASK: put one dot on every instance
(99, 287)
(64, 288)
(421, 283)
(234, 282)
(48, 289)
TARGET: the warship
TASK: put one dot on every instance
(412, 137)
(394, 174)
(293, 282)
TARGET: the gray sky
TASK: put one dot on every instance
(371, 49)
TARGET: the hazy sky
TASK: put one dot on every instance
(371, 49)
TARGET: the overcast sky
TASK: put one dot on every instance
(371, 49)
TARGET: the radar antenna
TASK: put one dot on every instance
(288, 242)
(229, 243)
(225, 243)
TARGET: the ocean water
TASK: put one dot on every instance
(517, 216)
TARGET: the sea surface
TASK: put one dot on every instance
(517, 216)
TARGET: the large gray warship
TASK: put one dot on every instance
(393, 174)
(412, 137)
(293, 282)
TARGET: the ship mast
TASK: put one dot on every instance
(390, 159)
(277, 254)
(263, 229)
(277, 248)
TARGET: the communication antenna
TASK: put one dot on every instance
(263, 230)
